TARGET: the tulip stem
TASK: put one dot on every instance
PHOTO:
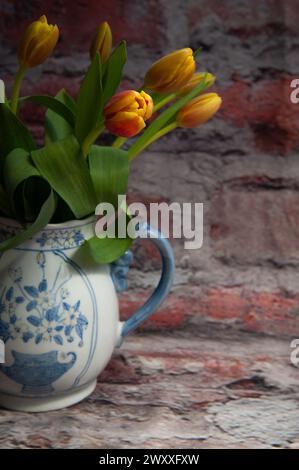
(155, 137)
(91, 138)
(118, 143)
(16, 88)
(164, 101)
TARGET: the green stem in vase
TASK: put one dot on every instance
(155, 137)
(16, 88)
(118, 143)
(91, 138)
(164, 101)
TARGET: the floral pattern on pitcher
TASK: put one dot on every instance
(61, 239)
(51, 317)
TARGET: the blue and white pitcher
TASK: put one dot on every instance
(59, 315)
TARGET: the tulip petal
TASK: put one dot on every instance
(172, 71)
(102, 42)
(149, 105)
(45, 47)
(199, 110)
(37, 43)
(120, 101)
(125, 124)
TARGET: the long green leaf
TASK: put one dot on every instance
(109, 170)
(114, 71)
(56, 126)
(13, 134)
(90, 100)
(107, 250)
(44, 217)
(17, 168)
(57, 106)
(63, 166)
(164, 118)
(4, 202)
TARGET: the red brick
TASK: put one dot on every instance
(267, 109)
(170, 316)
(274, 313)
(261, 312)
(222, 305)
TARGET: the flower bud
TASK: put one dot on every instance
(199, 110)
(102, 42)
(126, 112)
(195, 80)
(37, 43)
(170, 73)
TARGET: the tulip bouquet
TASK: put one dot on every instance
(73, 172)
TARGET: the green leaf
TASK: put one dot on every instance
(13, 134)
(114, 71)
(56, 126)
(17, 168)
(4, 202)
(107, 250)
(27, 204)
(23, 182)
(44, 217)
(67, 100)
(63, 166)
(109, 170)
(57, 106)
(164, 119)
(90, 100)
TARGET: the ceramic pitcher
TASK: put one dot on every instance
(59, 316)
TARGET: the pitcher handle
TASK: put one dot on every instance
(163, 288)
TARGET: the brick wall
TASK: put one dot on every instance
(243, 165)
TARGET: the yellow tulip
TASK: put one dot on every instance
(195, 80)
(102, 42)
(37, 43)
(199, 110)
(170, 73)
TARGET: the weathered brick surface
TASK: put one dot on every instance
(179, 393)
(243, 165)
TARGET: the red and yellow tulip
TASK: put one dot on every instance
(127, 111)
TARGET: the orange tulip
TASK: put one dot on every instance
(195, 80)
(170, 73)
(127, 111)
(102, 42)
(37, 43)
(199, 110)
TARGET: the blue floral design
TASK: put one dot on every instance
(51, 317)
(60, 239)
(64, 238)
